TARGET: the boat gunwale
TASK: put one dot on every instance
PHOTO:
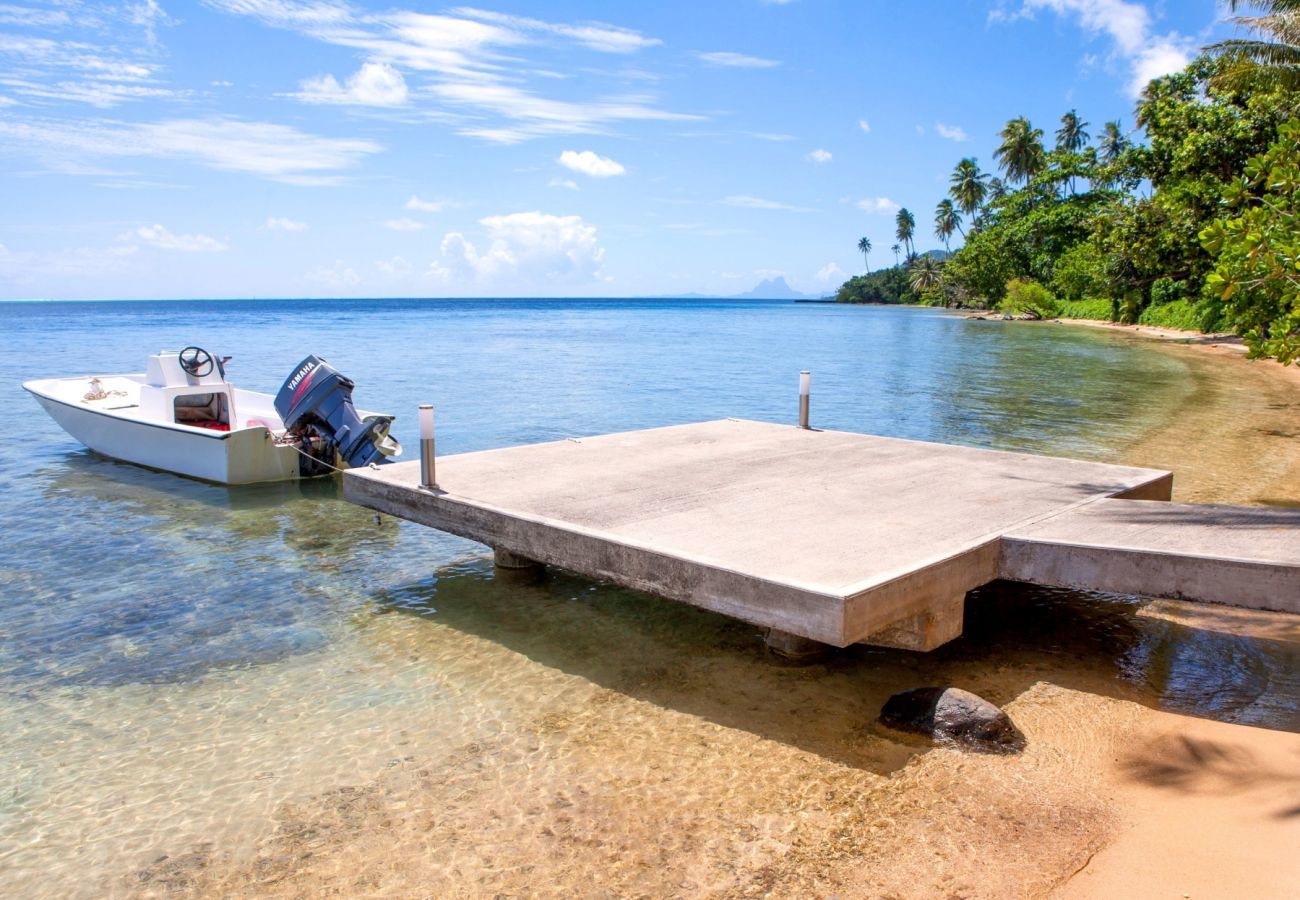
(177, 427)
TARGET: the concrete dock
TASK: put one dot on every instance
(838, 538)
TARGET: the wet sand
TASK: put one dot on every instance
(1213, 809)
(611, 744)
(1236, 437)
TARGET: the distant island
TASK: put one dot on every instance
(767, 289)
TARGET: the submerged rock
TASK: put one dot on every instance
(953, 715)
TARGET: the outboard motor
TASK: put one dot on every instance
(316, 406)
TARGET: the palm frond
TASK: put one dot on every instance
(1273, 6)
(1285, 28)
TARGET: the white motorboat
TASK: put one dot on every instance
(183, 416)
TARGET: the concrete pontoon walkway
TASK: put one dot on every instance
(839, 537)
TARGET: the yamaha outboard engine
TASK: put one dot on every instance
(316, 406)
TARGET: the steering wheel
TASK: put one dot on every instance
(196, 361)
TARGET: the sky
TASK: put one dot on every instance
(330, 148)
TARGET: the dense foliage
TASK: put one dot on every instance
(1029, 298)
(1257, 277)
(881, 286)
(1193, 226)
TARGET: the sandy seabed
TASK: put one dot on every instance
(602, 743)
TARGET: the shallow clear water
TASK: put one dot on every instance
(179, 660)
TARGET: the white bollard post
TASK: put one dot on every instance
(428, 475)
(805, 380)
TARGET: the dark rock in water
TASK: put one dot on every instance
(953, 715)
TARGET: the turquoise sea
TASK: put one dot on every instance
(180, 661)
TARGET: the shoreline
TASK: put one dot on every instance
(1233, 438)
(461, 735)
(1207, 824)
(587, 787)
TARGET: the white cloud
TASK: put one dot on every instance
(463, 52)
(737, 60)
(97, 74)
(746, 201)
(538, 116)
(865, 126)
(830, 272)
(336, 277)
(1128, 25)
(588, 163)
(428, 206)
(404, 224)
(148, 15)
(374, 84)
(881, 206)
(819, 156)
(92, 93)
(27, 17)
(397, 267)
(951, 132)
(281, 223)
(596, 36)
(274, 151)
(7, 101)
(160, 237)
(278, 152)
(1162, 56)
(568, 183)
(527, 246)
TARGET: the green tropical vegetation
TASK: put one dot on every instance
(1192, 220)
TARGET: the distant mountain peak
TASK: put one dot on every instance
(772, 289)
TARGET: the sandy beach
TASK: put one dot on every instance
(637, 774)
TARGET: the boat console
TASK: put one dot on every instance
(188, 387)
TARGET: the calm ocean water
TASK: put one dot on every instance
(177, 658)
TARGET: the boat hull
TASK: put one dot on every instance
(244, 456)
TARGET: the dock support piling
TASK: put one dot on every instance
(514, 566)
(795, 648)
(428, 471)
(805, 379)
(940, 623)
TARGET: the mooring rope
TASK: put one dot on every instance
(322, 462)
(97, 391)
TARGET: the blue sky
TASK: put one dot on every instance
(287, 148)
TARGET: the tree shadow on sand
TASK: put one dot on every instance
(1201, 766)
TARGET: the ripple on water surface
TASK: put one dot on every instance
(185, 668)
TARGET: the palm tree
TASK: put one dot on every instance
(924, 274)
(946, 221)
(1021, 152)
(906, 228)
(1275, 52)
(969, 187)
(864, 247)
(1071, 136)
(1112, 142)
(896, 249)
